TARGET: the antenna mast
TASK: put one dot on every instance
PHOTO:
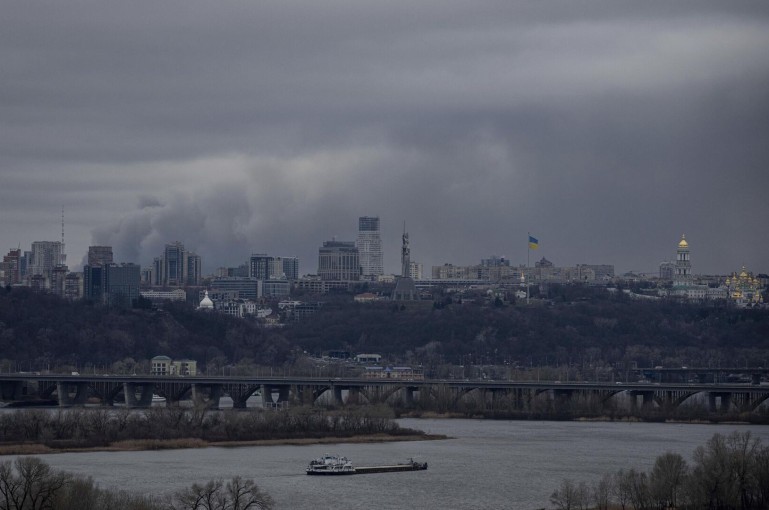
(63, 256)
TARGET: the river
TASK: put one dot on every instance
(486, 465)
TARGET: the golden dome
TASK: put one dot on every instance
(683, 243)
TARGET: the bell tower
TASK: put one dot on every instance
(683, 274)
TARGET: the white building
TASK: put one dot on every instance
(415, 270)
(165, 295)
(46, 255)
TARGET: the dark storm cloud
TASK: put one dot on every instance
(606, 128)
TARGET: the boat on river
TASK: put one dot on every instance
(330, 465)
(336, 465)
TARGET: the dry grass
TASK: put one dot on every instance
(158, 444)
(24, 449)
(375, 438)
(173, 444)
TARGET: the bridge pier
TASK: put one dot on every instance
(353, 395)
(144, 399)
(80, 397)
(305, 394)
(206, 395)
(522, 399)
(725, 399)
(647, 399)
(408, 396)
(337, 393)
(283, 391)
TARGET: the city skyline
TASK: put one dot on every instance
(605, 129)
(211, 268)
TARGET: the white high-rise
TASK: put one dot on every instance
(369, 244)
(45, 256)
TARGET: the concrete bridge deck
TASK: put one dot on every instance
(138, 390)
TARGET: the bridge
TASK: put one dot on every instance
(137, 391)
(754, 375)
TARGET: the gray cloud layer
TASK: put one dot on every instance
(605, 128)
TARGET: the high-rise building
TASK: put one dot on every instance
(415, 270)
(266, 267)
(369, 244)
(11, 268)
(99, 255)
(156, 271)
(260, 266)
(290, 267)
(177, 267)
(93, 272)
(45, 256)
(121, 284)
(24, 264)
(193, 269)
(58, 279)
(173, 265)
(338, 260)
(73, 286)
(93, 283)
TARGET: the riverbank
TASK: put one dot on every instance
(715, 419)
(175, 444)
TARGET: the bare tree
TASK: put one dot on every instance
(30, 483)
(622, 487)
(762, 477)
(711, 475)
(667, 478)
(742, 449)
(640, 495)
(565, 497)
(237, 494)
(200, 497)
(245, 495)
(602, 491)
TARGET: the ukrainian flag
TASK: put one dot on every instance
(533, 243)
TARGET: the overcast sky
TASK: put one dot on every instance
(605, 128)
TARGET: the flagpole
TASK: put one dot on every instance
(528, 255)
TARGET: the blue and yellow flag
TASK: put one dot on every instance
(533, 243)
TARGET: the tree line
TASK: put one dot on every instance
(90, 427)
(29, 483)
(577, 325)
(727, 473)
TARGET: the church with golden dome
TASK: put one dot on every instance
(683, 280)
(744, 289)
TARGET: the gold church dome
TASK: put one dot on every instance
(683, 243)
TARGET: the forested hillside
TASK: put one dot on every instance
(37, 330)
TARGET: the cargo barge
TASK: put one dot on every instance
(333, 465)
